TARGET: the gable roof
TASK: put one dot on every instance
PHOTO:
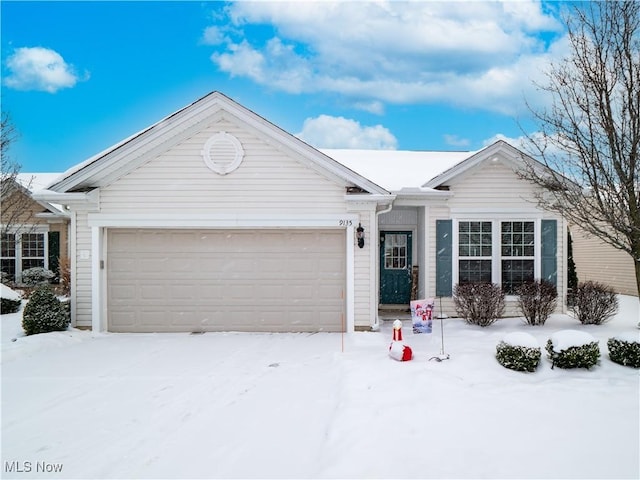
(114, 162)
(27, 184)
(498, 151)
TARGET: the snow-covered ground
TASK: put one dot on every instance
(236, 405)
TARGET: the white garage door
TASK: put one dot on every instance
(225, 280)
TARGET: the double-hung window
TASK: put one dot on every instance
(474, 252)
(8, 255)
(32, 250)
(20, 252)
(517, 254)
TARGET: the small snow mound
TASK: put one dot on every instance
(6, 292)
(521, 339)
(629, 337)
(565, 339)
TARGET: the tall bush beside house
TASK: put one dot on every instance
(479, 303)
(44, 313)
(537, 300)
(594, 303)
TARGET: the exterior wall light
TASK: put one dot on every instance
(360, 235)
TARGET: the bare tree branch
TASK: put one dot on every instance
(589, 137)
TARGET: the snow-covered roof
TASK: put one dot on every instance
(395, 170)
(36, 182)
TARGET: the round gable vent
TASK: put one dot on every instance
(222, 153)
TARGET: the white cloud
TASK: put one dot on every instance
(39, 68)
(474, 54)
(326, 131)
(456, 141)
(213, 35)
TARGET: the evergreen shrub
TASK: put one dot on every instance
(594, 303)
(537, 300)
(37, 276)
(44, 313)
(479, 303)
(519, 356)
(571, 349)
(624, 351)
(9, 305)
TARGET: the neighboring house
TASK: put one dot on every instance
(215, 219)
(34, 233)
(598, 261)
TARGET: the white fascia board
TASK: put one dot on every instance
(72, 199)
(342, 220)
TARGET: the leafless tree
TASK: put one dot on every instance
(589, 137)
(13, 194)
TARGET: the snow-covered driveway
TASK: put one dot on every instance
(232, 405)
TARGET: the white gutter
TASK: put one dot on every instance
(376, 326)
(69, 199)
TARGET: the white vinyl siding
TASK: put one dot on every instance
(268, 180)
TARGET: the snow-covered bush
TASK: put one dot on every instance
(36, 276)
(479, 303)
(10, 300)
(44, 313)
(519, 351)
(537, 300)
(573, 349)
(594, 303)
(9, 305)
(625, 350)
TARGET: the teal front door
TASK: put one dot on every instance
(395, 267)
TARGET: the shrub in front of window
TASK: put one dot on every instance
(37, 276)
(9, 305)
(537, 300)
(625, 350)
(519, 351)
(594, 303)
(44, 313)
(573, 349)
(479, 303)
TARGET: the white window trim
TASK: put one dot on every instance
(38, 229)
(496, 258)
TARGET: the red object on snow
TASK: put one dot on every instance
(398, 350)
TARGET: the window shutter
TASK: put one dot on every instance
(54, 251)
(443, 258)
(549, 251)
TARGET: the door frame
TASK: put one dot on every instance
(412, 250)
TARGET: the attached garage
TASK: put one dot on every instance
(262, 280)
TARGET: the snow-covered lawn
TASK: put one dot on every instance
(232, 405)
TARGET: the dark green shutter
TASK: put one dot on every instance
(549, 251)
(54, 252)
(444, 238)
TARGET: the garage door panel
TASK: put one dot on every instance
(217, 280)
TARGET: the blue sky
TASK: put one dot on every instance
(77, 77)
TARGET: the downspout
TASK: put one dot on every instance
(376, 326)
